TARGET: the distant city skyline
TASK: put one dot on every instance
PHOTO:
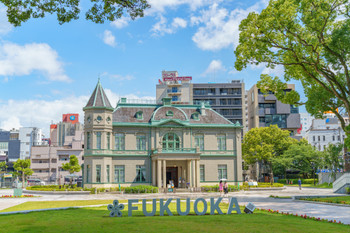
(47, 69)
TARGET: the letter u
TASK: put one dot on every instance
(144, 207)
(178, 206)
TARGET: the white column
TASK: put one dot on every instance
(154, 172)
(159, 172)
(198, 175)
(189, 172)
(164, 173)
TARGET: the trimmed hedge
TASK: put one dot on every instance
(141, 189)
(234, 188)
(295, 181)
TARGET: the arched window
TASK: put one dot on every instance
(171, 142)
(169, 113)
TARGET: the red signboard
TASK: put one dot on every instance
(186, 78)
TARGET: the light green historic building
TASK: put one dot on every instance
(153, 144)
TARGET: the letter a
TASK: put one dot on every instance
(233, 201)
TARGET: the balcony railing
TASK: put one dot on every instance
(176, 150)
(115, 152)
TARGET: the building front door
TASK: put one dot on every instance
(172, 174)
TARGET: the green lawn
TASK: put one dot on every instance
(97, 220)
(32, 205)
(337, 200)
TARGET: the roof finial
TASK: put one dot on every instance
(99, 77)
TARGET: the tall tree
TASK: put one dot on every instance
(332, 159)
(311, 40)
(23, 166)
(19, 11)
(3, 167)
(300, 156)
(264, 144)
(72, 166)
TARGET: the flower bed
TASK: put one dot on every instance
(302, 216)
(11, 196)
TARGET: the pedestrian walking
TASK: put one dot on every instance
(225, 188)
(221, 187)
(299, 183)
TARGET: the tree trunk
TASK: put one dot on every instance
(22, 179)
(271, 174)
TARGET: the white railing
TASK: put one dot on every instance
(341, 181)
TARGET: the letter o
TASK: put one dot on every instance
(195, 206)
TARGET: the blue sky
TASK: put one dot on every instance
(47, 69)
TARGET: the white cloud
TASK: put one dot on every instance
(5, 26)
(277, 71)
(108, 38)
(18, 60)
(220, 26)
(121, 22)
(40, 113)
(161, 27)
(118, 77)
(214, 66)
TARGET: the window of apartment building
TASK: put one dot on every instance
(119, 173)
(267, 105)
(267, 93)
(141, 142)
(88, 140)
(222, 172)
(221, 142)
(108, 141)
(98, 140)
(140, 173)
(324, 138)
(201, 170)
(4, 145)
(333, 138)
(108, 173)
(175, 98)
(279, 120)
(199, 141)
(230, 102)
(98, 173)
(204, 91)
(174, 90)
(294, 109)
(119, 141)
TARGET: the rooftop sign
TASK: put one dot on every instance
(172, 76)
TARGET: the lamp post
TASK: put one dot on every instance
(313, 171)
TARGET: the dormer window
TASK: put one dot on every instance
(195, 116)
(169, 113)
(139, 115)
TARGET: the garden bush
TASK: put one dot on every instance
(347, 190)
(295, 181)
(141, 189)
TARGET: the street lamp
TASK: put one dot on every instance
(313, 171)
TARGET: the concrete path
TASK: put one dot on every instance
(259, 198)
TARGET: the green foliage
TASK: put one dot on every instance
(265, 144)
(310, 39)
(19, 11)
(141, 189)
(347, 190)
(332, 159)
(23, 166)
(3, 167)
(300, 156)
(72, 166)
(295, 181)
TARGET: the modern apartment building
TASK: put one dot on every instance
(228, 99)
(29, 136)
(47, 160)
(9, 146)
(160, 143)
(265, 110)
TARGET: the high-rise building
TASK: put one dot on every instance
(66, 128)
(265, 110)
(29, 136)
(9, 146)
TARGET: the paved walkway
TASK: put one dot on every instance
(259, 198)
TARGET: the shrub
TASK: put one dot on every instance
(215, 188)
(295, 181)
(141, 189)
(347, 190)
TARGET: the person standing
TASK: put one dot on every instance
(221, 187)
(226, 188)
(299, 183)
